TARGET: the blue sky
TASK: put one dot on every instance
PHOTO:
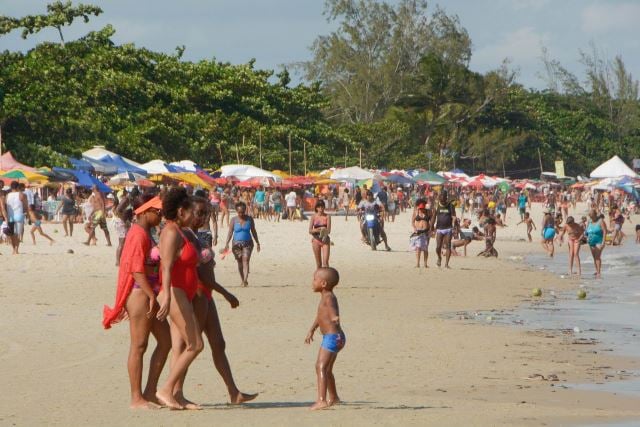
(279, 32)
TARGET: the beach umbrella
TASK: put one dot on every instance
(25, 176)
(503, 186)
(81, 164)
(245, 172)
(352, 173)
(429, 177)
(398, 179)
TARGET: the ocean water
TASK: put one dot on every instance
(610, 313)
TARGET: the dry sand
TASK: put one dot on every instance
(406, 362)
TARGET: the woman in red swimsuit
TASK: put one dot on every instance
(205, 307)
(179, 278)
(136, 295)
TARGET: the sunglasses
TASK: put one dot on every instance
(158, 212)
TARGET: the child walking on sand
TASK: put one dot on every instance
(530, 225)
(333, 340)
(36, 219)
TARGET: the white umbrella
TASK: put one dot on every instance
(352, 173)
(245, 172)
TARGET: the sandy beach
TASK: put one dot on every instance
(410, 358)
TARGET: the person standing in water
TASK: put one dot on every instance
(596, 230)
(548, 232)
(575, 232)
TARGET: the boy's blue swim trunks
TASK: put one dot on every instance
(334, 342)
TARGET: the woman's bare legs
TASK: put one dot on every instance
(162, 334)
(213, 331)
(65, 219)
(139, 325)
(316, 254)
(597, 259)
(187, 345)
(571, 244)
(326, 252)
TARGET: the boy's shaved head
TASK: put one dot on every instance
(328, 274)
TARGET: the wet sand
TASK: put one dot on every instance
(408, 360)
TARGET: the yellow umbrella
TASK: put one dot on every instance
(189, 178)
(280, 173)
(22, 175)
(326, 181)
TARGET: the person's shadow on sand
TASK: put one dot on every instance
(351, 405)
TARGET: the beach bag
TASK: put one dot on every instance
(285, 214)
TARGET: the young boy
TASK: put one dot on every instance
(333, 340)
(530, 225)
(36, 220)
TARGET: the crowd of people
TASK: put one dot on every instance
(166, 260)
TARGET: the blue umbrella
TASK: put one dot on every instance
(102, 167)
(122, 165)
(398, 179)
(83, 179)
(82, 165)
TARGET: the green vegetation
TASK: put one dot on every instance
(392, 83)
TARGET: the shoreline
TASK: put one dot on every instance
(403, 364)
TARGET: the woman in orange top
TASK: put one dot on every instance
(136, 295)
(179, 278)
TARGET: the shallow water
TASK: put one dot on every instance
(609, 316)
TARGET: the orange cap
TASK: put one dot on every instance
(151, 204)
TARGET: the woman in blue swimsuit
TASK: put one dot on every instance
(596, 230)
(243, 230)
(548, 232)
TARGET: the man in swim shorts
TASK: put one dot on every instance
(99, 216)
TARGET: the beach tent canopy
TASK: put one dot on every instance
(398, 179)
(100, 167)
(8, 162)
(125, 177)
(429, 177)
(83, 179)
(353, 173)
(158, 166)
(245, 172)
(613, 168)
(99, 153)
(122, 165)
(81, 164)
(186, 166)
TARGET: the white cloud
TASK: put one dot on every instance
(603, 18)
(522, 47)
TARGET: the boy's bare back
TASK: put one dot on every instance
(328, 317)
